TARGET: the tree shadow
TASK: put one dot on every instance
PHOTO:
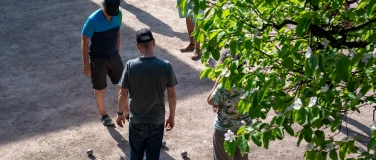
(154, 23)
(348, 131)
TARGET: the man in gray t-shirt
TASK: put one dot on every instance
(146, 79)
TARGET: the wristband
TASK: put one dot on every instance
(120, 113)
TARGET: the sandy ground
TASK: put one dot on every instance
(47, 109)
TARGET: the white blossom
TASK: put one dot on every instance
(329, 146)
(312, 101)
(359, 95)
(352, 53)
(308, 53)
(325, 88)
(298, 104)
(229, 135)
(242, 122)
(325, 43)
(374, 53)
(245, 95)
(373, 126)
(256, 32)
(254, 90)
(366, 57)
(310, 146)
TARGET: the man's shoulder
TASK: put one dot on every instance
(95, 15)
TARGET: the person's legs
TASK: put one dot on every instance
(190, 28)
(219, 152)
(154, 141)
(137, 141)
(99, 99)
(98, 78)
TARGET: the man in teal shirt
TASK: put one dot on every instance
(100, 51)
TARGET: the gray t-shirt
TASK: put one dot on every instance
(146, 80)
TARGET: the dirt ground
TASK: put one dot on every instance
(47, 109)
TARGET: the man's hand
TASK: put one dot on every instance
(120, 120)
(87, 70)
(170, 123)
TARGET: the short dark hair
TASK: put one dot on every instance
(146, 44)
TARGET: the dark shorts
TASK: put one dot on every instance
(101, 67)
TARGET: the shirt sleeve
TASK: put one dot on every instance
(171, 76)
(124, 81)
(88, 29)
(218, 95)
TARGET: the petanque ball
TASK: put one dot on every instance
(163, 143)
(184, 154)
(89, 152)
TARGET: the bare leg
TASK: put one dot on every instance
(196, 53)
(99, 98)
(190, 27)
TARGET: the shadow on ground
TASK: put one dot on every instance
(43, 87)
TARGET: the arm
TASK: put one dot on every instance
(118, 41)
(209, 100)
(85, 55)
(122, 107)
(170, 122)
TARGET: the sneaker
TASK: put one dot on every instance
(106, 120)
(196, 55)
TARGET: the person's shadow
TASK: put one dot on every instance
(155, 24)
(122, 143)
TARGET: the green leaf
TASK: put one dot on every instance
(337, 3)
(248, 43)
(288, 63)
(243, 144)
(310, 155)
(333, 155)
(365, 88)
(288, 129)
(241, 130)
(256, 139)
(371, 144)
(343, 151)
(213, 34)
(257, 42)
(265, 139)
(205, 72)
(233, 46)
(303, 25)
(280, 134)
(321, 155)
(309, 15)
(208, 24)
(335, 124)
(230, 147)
(371, 7)
(343, 68)
(216, 55)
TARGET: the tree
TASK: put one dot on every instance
(309, 61)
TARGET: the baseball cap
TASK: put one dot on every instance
(112, 7)
(144, 35)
